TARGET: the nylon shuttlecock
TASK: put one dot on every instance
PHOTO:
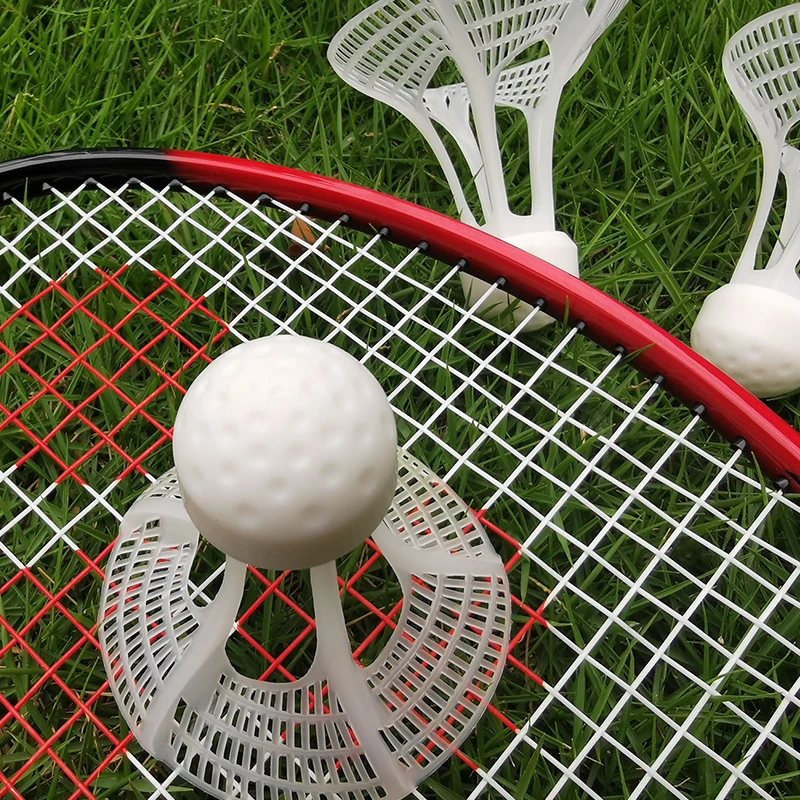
(286, 456)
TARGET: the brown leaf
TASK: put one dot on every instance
(300, 230)
(275, 52)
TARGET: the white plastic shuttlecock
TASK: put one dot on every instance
(285, 452)
(392, 51)
(750, 328)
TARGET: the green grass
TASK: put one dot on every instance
(657, 175)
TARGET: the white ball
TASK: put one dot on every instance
(752, 333)
(286, 452)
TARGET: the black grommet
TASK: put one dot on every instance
(741, 444)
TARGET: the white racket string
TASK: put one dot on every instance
(633, 533)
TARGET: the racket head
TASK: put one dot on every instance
(653, 564)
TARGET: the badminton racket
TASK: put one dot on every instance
(643, 503)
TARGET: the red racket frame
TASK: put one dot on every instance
(728, 406)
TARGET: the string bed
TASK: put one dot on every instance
(653, 569)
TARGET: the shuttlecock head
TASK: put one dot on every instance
(286, 452)
(752, 333)
(554, 247)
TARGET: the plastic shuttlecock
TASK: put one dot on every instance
(289, 434)
(750, 327)
(392, 52)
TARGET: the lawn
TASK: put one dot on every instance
(657, 174)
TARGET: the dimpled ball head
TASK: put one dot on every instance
(752, 333)
(286, 452)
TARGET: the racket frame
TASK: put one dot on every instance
(726, 405)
